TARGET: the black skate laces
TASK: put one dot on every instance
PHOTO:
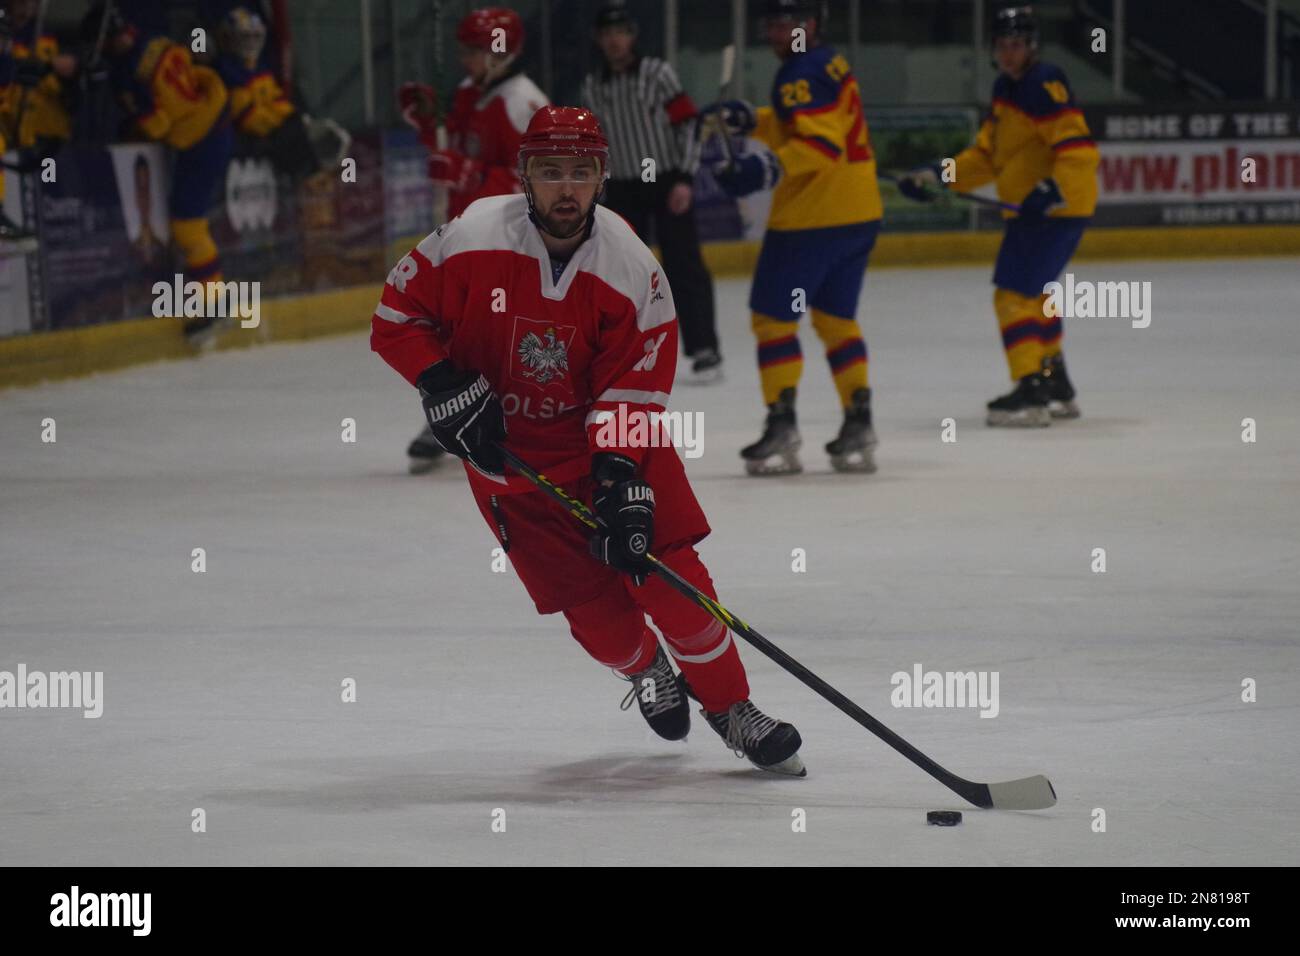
(667, 692)
(746, 724)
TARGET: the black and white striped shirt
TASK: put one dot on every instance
(646, 115)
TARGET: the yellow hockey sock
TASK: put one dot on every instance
(846, 353)
(1026, 332)
(194, 240)
(780, 360)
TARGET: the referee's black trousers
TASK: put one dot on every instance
(679, 251)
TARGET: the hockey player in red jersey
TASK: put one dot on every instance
(492, 106)
(534, 321)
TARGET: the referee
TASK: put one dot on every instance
(647, 115)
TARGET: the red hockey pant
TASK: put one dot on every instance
(612, 627)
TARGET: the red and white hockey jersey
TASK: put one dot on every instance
(487, 126)
(563, 357)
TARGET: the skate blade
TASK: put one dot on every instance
(791, 766)
(787, 464)
(710, 377)
(205, 339)
(1064, 409)
(858, 462)
(1037, 418)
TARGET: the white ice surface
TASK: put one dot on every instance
(326, 561)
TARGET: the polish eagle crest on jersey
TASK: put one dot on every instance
(568, 356)
(541, 354)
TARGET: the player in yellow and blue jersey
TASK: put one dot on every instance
(10, 231)
(33, 112)
(259, 105)
(825, 217)
(1035, 144)
(168, 98)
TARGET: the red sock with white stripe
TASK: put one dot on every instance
(700, 644)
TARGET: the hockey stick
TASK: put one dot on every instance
(724, 84)
(1027, 793)
(97, 56)
(719, 127)
(970, 197)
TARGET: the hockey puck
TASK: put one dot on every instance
(943, 818)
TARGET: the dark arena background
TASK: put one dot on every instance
(771, 307)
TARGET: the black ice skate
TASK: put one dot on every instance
(423, 452)
(776, 453)
(1060, 393)
(706, 369)
(1023, 407)
(854, 449)
(661, 695)
(769, 744)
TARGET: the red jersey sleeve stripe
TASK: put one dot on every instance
(822, 145)
(1043, 118)
(1075, 142)
(680, 108)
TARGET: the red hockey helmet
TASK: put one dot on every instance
(563, 131)
(478, 30)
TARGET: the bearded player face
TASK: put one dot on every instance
(564, 189)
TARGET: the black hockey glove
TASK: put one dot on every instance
(913, 184)
(465, 415)
(748, 174)
(1045, 197)
(625, 506)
